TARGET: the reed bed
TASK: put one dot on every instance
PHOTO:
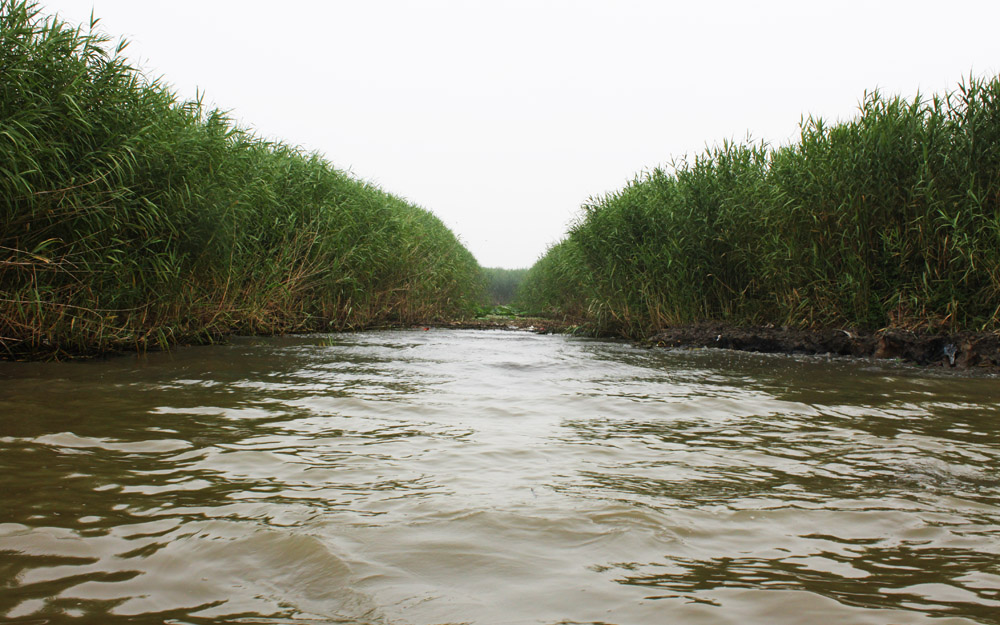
(129, 219)
(502, 284)
(891, 219)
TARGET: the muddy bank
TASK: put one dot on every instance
(961, 351)
(497, 322)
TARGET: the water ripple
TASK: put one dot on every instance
(489, 477)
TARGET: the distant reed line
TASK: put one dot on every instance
(891, 219)
(502, 284)
(129, 219)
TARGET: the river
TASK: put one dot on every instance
(460, 476)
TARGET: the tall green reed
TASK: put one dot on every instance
(129, 219)
(501, 285)
(890, 219)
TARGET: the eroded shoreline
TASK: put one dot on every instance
(965, 350)
(962, 350)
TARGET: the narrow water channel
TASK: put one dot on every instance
(445, 477)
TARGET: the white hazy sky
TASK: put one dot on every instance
(502, 116)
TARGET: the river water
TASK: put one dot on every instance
(450, 476)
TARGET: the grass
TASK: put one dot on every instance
(129, 219)
(891, 219)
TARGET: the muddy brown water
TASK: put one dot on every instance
(462, 476)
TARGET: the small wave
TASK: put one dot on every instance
(73, 441)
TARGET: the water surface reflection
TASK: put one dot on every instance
(491, 477)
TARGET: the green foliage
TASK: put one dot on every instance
(892, 219)
(128, 218)
(502, 284)
(498, 311)
(558, 284)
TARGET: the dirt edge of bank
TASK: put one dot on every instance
(960, 351)
(963, 351)
(538, 325)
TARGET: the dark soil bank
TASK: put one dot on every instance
(961, 351)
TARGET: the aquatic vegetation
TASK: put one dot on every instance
(558, 284)
(891, 219)
(502, 284)
(129, 218)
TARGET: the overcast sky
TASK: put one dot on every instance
(503, 117)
